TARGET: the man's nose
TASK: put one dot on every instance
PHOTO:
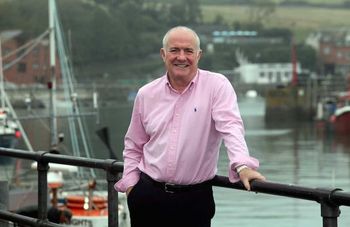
(181, 55)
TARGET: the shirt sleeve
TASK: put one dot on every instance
(134, 141)
(229, 123)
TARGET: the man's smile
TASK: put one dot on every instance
(181, 65)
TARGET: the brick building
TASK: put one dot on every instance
(33, 66)
(334, 52)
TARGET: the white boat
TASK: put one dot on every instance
(9, 128)
(9, 133)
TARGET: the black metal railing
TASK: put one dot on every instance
(330, 199)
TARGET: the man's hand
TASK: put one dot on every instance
(129, 190)
(248, 174)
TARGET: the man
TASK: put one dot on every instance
(173, 141)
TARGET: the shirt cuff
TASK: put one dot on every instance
(127, 181)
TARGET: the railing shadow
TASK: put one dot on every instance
(330, 199)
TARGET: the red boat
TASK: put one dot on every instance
(341, 117)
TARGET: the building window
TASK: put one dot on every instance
(262, 74)
(6, 51)
(339, 54)
(21, 67)
(278, 77)
(270, 76)
(35, 51)
(35, 66)
(326, 50)
(286, 74)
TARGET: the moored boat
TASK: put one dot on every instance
(9, 129)
(9, 134)
(87, 204)
(341, 117)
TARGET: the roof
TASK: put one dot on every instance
(9, 34)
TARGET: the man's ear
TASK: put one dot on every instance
(200, 54)
(162, 53)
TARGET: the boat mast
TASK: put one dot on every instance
(294, 63)
(1, 80)
(52, 83)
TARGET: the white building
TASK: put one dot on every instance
(266, 73)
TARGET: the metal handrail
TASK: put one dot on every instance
(329, 198)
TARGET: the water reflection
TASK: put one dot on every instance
(289, 153)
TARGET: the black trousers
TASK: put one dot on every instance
(152, 206)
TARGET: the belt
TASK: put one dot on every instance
(175, 188)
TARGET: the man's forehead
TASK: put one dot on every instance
(182, 44)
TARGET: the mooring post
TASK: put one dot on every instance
(4, 200)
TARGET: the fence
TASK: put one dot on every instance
(330, 199)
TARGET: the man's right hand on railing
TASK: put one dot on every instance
(247, 174)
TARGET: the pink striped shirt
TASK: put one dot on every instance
(175, 137)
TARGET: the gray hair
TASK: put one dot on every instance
(184, 28)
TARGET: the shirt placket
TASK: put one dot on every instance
(173, 142)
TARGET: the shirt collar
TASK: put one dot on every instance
(192, 83)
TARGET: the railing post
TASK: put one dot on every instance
(112, 177)
(4, 200)
(42, 168)
(330, 214)
(329, 210)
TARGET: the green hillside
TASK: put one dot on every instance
(301, 20)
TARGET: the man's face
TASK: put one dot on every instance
(181, 55)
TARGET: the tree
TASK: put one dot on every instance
(24, 15)
(184, 12)
(193, 12)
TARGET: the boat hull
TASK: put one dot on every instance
(7, 141)
(342, 123)
(97, 217)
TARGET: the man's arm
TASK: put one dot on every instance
(229, 123)
(134, 141)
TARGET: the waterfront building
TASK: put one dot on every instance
(266, 73)
(26, 61)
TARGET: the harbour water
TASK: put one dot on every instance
(289, 153)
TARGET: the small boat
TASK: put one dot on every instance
(9, 133)
(9, 128)
(88, 205)
(341, 117)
